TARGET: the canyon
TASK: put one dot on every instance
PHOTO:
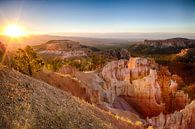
(138, 86)
(126, 92)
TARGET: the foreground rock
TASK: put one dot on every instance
(184, 119)
(28, 103)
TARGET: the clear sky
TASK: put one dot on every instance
(100, 16)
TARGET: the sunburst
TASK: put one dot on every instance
(14, 30)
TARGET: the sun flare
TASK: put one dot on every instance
(14, 30)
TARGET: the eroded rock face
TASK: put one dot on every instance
(93, 84)
(184, 119)
(138, 82)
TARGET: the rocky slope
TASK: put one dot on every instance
(28, 103)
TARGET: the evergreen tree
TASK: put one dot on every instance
(27, 61)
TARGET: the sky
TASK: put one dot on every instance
(100, 16)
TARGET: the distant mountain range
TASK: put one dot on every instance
(91, 39)
(40, 39)
(129, 35)
(174, 43)
(167, 46)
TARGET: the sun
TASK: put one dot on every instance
(14, 30)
